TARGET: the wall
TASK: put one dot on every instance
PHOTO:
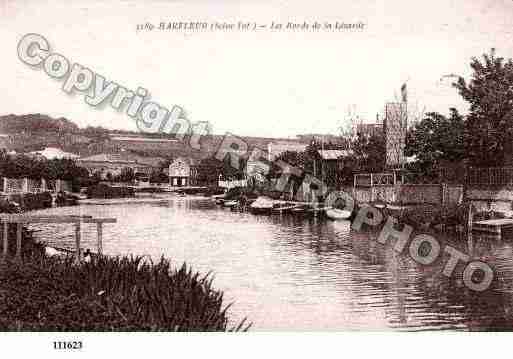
(486, 198)
(410, 194)
(420, 193)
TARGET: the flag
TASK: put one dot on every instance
(404, 93)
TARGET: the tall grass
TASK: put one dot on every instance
(109, 293)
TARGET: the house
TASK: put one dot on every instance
(274, 149)
(114, 163)
(51, 153)
(182, 172)
(332, 165)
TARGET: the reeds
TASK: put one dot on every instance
(109, 293)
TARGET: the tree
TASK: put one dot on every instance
(437, 138)
(97, 133)
(291, 158)
(209, 169)
(489, 130)
(370, 153)
(158, 176)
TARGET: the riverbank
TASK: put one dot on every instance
(46, 291)
(105, 191)
(108, 294)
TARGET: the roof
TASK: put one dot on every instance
(125, 158)
(284, 146)
(51, 153)
(189, 161)
(275, 149)
(334, 154)
(142, 139)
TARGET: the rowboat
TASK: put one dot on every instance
(230, 203)
(262, 205)
(335, 213)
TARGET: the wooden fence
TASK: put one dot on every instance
(21, 219)
(477, 176)
(233, 184)
(28, 185)
(490, 176)
(374, 179)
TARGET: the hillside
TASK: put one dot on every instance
(25, 133)
(14, 124)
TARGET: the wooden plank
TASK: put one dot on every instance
(78, 254)
(496, 222)
(19, 228)
(100, 233)
(5, 238)
(13, 218)
(490, 230)
(493, 226)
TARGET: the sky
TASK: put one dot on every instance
(262, 83)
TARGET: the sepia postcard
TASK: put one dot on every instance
(257, 166)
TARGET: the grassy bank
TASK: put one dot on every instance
(44, 293)
(26, 201)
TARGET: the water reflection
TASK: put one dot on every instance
(287, 272)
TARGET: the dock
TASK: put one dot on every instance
(493, 226)
(77, 221)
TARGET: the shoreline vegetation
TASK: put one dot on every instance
(109, 294)
(44, 292)
(51, 293)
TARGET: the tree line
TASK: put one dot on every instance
(23, 166)
(481, 138)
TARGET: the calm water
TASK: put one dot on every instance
(303, 274)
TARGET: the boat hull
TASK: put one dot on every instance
(260, 210)
(230, 203)
(338, 214)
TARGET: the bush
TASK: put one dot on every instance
(26, 202)
(109, 294)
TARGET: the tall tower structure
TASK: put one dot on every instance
(395, 125)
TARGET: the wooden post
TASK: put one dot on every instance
(19, 227)
(372, 199)
(25, 185)
(470, 221)
(6, 238)
(99, 230)
(78, 254)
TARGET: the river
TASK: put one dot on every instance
(290, 273)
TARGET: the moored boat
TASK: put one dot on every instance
(335, 213)
(262, 205)
(232, 203)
